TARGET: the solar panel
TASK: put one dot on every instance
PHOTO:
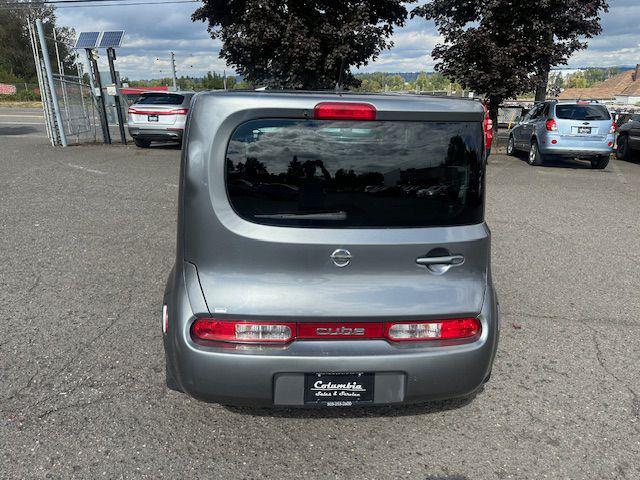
(111, 39)
(87, 39)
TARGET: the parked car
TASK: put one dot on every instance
(331, 295)
(582, 129)
(628, 137)
(158, 117)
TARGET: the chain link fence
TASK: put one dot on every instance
(78, 112)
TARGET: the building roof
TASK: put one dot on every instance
(607, 90)
(633, 90)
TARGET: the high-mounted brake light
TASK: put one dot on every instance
(344, 111)
(551, 125)
(452, 329)
(242, 332)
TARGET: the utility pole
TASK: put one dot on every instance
(173, 70)
(111, 54)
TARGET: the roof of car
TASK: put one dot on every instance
(382, 101)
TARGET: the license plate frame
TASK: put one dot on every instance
(152, 118)
(339, 389)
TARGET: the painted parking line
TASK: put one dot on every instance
(90, 170)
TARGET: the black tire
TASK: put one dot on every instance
(600, 162)
(169, 378)
(511, 146)
(142, 143)
(535, 157)
(623, 151)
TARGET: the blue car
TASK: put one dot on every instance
(575, 129)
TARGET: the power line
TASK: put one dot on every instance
(28, 5)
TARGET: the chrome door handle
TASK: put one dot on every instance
(445, 260)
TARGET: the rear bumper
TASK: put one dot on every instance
(156, 134)
(573, 147)
(274, 376)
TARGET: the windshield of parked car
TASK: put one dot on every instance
(339, 174)
(160, 99)
(582, 112)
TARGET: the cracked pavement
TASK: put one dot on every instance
(85, 253)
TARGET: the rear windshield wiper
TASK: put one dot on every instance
(336, 216)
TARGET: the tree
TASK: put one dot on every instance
(502, 48)
(307, 44)
(16, 56)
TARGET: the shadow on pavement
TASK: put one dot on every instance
(356, 412)
(17, 130)
(570, 163)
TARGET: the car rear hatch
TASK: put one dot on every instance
(584, 121)
(317, 215)
(157, 109)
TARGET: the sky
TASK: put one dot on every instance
(153, 31)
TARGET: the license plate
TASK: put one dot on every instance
(338, 389)
(584, 130)
(152, 118)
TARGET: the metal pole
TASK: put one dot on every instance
(36, 59)
(52, 87)
(173, 69)
(111, 54)
(62, 81)
(97, 92)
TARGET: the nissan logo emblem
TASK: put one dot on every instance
(341, 257)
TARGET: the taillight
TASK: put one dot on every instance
(175, 111)
(612, 130)
(451, 329)
(240, 331)
(344, 111)
(488, 127)
(215, 330)
(551, 125)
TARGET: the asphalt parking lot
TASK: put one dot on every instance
(87, 240)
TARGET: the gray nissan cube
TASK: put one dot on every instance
(331, 251)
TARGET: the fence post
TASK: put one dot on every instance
(36, 59)
(52, 86)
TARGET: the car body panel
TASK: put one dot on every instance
(632, 129)
(231, 268)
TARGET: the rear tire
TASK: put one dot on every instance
(535, 157)
(600, 162)
(623, 151)
(142, 143)
(511, 147)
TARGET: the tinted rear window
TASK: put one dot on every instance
(341, 174)
(582, 112)
(160, 99)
